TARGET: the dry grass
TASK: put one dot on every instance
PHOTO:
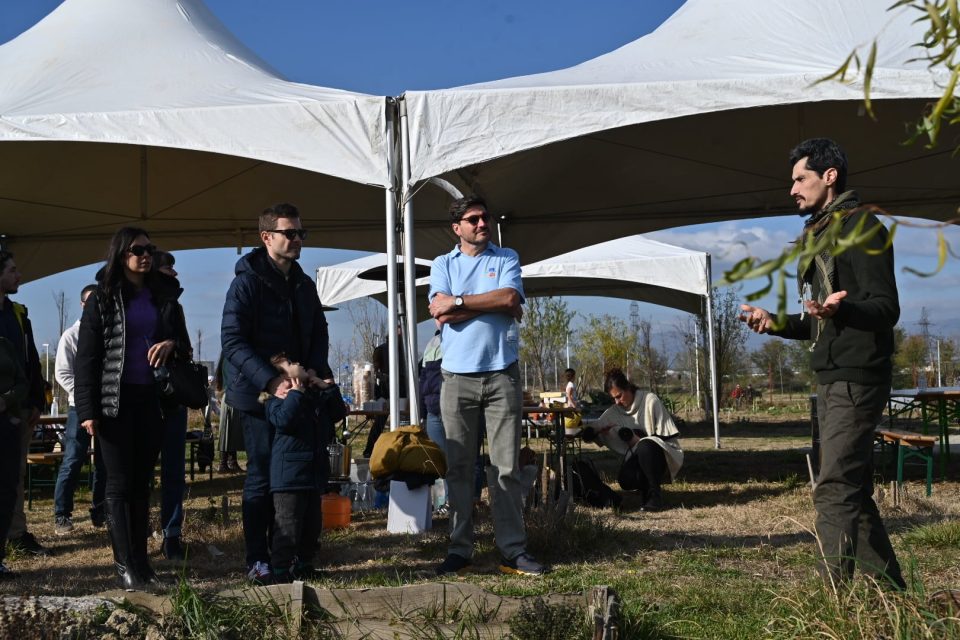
(738, 534)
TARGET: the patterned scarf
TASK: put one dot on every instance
(823, 266)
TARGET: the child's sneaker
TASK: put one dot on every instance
(306, 571)
(260, 574)
(282, 576)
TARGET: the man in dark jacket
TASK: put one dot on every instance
(850, 308)
(15, 326)
(272, 307)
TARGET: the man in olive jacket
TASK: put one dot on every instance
(850, 308)
(272, 307)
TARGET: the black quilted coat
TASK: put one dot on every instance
(100, 345)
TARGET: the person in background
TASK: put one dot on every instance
(173, 484)
(230, 436)
(639, 428)
(76, 441)
(13, 395)
(381, 372)
(15, 326)
(131, 325)
(570, 389)
(431, 380)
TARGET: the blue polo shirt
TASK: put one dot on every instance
(491, 341)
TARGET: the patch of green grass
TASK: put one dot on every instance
(939, 535)
(859, 610)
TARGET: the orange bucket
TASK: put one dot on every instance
(336, 511)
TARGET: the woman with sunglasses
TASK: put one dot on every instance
(131, 325)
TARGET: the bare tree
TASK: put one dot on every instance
(602, 343)
(61, 301)
(652, 364)
(340, 355)
(730, 335)
(543, 333)
(369, 326)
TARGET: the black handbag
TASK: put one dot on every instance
(184, 382)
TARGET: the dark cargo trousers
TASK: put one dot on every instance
(849, 529)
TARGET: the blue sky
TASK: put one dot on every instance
(376, 48)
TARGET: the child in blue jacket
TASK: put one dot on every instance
(299, 467)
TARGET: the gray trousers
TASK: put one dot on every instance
(467, 401)
(850, 531)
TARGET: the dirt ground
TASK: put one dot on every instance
(753, 493)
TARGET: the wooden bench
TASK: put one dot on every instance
(35, 460)
(910, 445)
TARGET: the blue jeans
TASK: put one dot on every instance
(172, 482)
(257, 501)
(76, 447)
(436, 433)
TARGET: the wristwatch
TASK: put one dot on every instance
(458, 302)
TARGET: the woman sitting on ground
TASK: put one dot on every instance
(640, 428)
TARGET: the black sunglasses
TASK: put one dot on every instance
(474, 220)
(139, 249)
(290, 234)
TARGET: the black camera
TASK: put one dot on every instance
(625, 433)
(589, 434)
(161, 376)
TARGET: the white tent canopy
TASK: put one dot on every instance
(341, 283)
(151, 113)
(689, 124)
(635, 268)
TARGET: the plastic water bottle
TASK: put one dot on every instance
(438, 494)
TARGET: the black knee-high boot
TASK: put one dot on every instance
(118, 525)
(139, 531)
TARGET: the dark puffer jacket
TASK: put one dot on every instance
(98, 367)
(298, 459)
(265, 314)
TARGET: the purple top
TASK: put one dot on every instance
(141, 326)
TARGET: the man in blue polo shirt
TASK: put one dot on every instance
(476, 294)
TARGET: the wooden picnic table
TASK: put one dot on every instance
(935, 404)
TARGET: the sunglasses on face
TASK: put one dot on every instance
(290, 234)
(139, 250)
(475, 220)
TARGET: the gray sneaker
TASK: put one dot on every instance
(63, 526)
(523, 565)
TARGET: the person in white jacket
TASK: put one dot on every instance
(641, 429)
(76, 441)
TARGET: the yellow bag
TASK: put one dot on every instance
(407, 449)
(570, 420)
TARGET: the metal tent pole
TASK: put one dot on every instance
(713, 356)
(391, 221)
(409, 271)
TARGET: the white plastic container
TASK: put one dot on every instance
(409, 510)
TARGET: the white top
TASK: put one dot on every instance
(648, 414)
(66, 354)
(571, 392)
